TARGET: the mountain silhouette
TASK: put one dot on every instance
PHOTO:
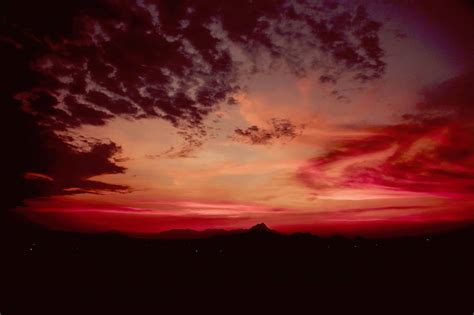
(39, 261)
(260, 228)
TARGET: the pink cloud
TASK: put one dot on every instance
(434, 158)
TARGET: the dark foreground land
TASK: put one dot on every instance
(45, 272)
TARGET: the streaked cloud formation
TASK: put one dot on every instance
(428, 153)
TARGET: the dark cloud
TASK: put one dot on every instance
(38, 162)
(81, 164)
(186, 150)
(453, 96)
(327, 79)
(278, 129)
(170, 60)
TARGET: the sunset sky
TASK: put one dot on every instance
(350, 117)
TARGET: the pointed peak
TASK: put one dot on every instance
(259, 227)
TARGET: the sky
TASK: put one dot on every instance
(350, 117)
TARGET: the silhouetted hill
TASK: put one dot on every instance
(260, 228)
(48, 268)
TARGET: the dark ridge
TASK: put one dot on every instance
(193, 234)
(260, 227)
(38, 264)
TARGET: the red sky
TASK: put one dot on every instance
(336, 117)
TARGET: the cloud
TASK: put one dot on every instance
(431, 159)
(431, 152)
(68, 167)
(453, 96)
(278, 129)
(174, 62)
(185, 151)
(39, 162)
(167, 60)
(37, 176)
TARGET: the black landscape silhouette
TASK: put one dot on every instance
(428, 271)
